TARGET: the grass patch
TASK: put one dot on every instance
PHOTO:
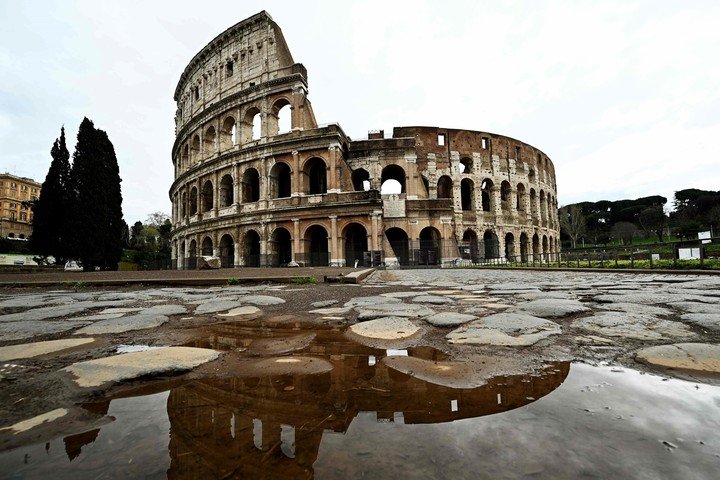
(233, 281)
(304, 280)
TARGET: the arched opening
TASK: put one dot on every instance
(551, 245)
(193, 201)
(192, 255)
(227, 251)
(469, 247)
(521, 200)
(487, 198)
(316, 238)
(398, 240)
(429, 251)
(361, 180)
(466, 165)
(392, 180)
(491, 244)
(523, 247)
(280, 180)
(228, 134)
(251, 125)
(183, 205)
(283, 116)
(445, 187)
(209, 142)
(426, 184)
(226, 191)
(467, 194)
(535, 247)
(181, 256)
(195, 150)
(355, 244)
(543, 206)
(533, 203)
(510, 247)
(207, 247)
(21, 236)
(316, 172)
(185, 158)
(251, 248)
(531, 176)
(207, 196)
(281, 247)
(505, 190)
(250, 186)
(256, 123)
(544, 245)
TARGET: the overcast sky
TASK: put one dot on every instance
(623, 96)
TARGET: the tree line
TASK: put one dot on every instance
(79, 212)
(603, 222)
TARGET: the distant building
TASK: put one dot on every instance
(15, 215)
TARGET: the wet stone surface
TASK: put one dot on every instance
(400, 376)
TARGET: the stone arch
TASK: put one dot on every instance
(445, 187)
(509, 246)
(467, 194)
(250, 185)
(531, 176)
(533, 203)
(316, 239)
(193, 201)
(251, 248)
(361, 180)
(426, 184)
(521, 200)
(226, 191)
(209, 144)
(315, 173)
(207, 247)
(280, 247)
(505, 195)
(466, 165)
(280, 180)
(281, 119)
(535, 247)
(227, 251)
(523, 247)
(206, 203)
(183, 204)
(469, 248)
(228, 133)
(195, 150)
(192, 254)
(429, 252)
(252, 124)
(355, 243)
(392, 173)
(544, 245)
(399, 244)
(543, 206)
(488, 200)
(185, 158)
(491, 246)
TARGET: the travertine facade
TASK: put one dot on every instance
(256, 192)
(16, 216)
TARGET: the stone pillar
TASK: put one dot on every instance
(236, 253)
(335, 260)
(332, 172)
(216, 193)
(174, 252)
(374, 244)
(295, 179)
(296, 239)
(236, 184)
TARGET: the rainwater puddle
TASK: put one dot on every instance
(363, 419)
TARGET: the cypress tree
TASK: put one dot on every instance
(96, 200)
(50, 212)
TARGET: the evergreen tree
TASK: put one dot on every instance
(96, 200)
(50, 211)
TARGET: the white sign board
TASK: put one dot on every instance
(704, 236)
(689, 253)
(655, 257)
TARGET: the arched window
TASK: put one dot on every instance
(543, 206)
(280, 180)
(251, 247)
(355, 244)
(445, 187)
(183, 205)
(195, 150)
(361, 180)
(228, 135)
(252, 128)
(469, 247)
(521, 200)
(209, 142)
(193, 201)
(429, 252)
(466, 165)
(399, 244)
(207, 247)
(281, 117)
(281, 247)
(505, 190)
(533, 203)
(392, 180)
(491, 244)
(226, 191)
(185, 158)
(251, 186)
(467, 194)
(510, 247)
(227, 252)
(316, 173)
(523, 247)
(316, 239)
(488, 203)
(207, 196)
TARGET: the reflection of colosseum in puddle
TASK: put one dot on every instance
(272, 427)
(256, 191)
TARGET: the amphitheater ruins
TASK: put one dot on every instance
(259, 182)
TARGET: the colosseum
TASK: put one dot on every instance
(259, 183)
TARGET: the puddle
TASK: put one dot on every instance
(134, 348)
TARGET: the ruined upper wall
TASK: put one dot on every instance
(249, 53)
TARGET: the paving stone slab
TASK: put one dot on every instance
(245, 311)
(35, 328)
(147, 318)
(449, 319)
(552, 307)
(214, 306)
(433, 299)
(30, 350)
(635, 308)
(696, 357)
(260, 300)
(371, 301)
(386, 328)
(708, 320)
(94, 373)
(633, 325)
(408, 310)
(324, 303)
(695, 307)
(505, 329)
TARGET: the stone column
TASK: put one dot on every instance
(216, 194)
(296, 239)
(236, 253)
(236, 184)
(295, 179)
(332, 183)
(335, 260)
(374, 244)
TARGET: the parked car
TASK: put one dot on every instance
(72, 266)
(19, 261)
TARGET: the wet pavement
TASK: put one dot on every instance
(424, 374)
